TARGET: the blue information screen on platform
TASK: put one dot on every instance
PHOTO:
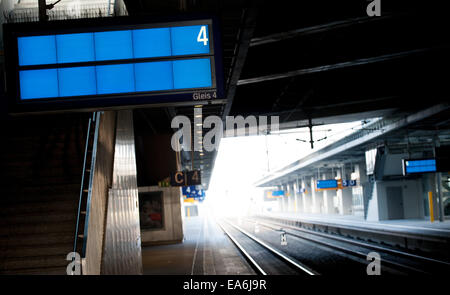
(419, 166)
(329, 183)
(156, 59)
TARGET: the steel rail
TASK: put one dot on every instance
(246, 254)
(274, 251)
(362, 244)
(348, 251)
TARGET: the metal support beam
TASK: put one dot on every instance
(245, 35)
(314, 29)
(42, 11)
(341, 65)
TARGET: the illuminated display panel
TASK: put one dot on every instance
(329, 183)
(170, 62)
(113, 45)
(419, 166)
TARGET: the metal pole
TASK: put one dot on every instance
(311, 133)
(438, 184)
(439, 193)
(42, 10)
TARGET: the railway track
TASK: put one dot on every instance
(401, 261)
(264, 259)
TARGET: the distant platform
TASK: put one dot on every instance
(206, 250)
(401, 226)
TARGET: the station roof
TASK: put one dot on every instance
(401, 133)
(319, 59)
(324, 61)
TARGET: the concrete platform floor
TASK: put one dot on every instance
(206, 250)
(422, 226)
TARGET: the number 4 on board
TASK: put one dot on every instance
(202, 36)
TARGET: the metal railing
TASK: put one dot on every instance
(86, 188)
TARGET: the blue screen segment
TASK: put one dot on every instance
(77, 81)
(75, 47)
(36, 50)
(330, 183)
(38, 83)
(192, 73)
(115, 79)
(113, 45)
(151, 43)
(420, 166)
(154, 76)
(190, 40)
(277, 193)
(120, 78)
(129, 76)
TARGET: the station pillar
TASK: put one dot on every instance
(316, 197)
(280, 200)
(286, 197)
(357, 203)
(344, 196)
(297, 204)
(328, 206)
(306, 197)
(289, 197)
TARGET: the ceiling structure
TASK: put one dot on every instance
(406, 134)
(313, 61)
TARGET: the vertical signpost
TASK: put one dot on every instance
(283, 239)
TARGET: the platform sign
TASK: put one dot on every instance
(185, 178)
(347, 183)
(418, 166)
(88, 64)
(328, 184)
(193, 192)
(279, 193)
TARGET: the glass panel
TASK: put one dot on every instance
(115, 79)
(190, 40)
(38, 84)
(113, 45)
(75, 47)
(151, 43)
(192, 73)
(77, 81)
(154, 76)
(36, 50)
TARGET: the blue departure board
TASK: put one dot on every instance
(327, 184)
(158, 60)
(419, 166)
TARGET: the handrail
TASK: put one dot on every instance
(94, 119)
(82, 183)
(91, 181)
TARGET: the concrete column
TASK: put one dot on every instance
(328, 206)
(280, 200)
(357, 191)
(296, 197)
(339, 193)
(317, 197)
(289, 197)
(346, 195)
(306, 197)
(286, 197)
